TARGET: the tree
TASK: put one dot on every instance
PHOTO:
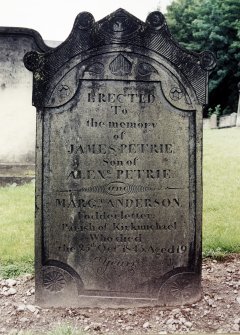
(212, 25)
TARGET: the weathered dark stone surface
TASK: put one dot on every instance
(119, 154)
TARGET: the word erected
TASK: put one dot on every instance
(121, 98)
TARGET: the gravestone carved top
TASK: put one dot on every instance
(118, 28)
(119, 152)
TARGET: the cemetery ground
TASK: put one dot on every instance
(217, 312)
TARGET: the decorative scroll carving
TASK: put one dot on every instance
(155, 20)
(117, 188)
(120, 26)
(208, 60)
(32, 60)
(114, 188)
(84, 21)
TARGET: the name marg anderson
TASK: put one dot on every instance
(117, 203)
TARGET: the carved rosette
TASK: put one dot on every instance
(208, 60)
(180, 289)
(176, 93)
(84, 21)
(57, 279)
(54, 281)
(156, 20)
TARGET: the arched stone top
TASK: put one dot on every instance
(118, 29)
(122, 66)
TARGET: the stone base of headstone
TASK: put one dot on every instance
(177, 290)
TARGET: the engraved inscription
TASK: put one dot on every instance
(124, 191)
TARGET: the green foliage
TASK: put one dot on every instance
(217, 253)
(216, 110)
(210, 112)
(12, 270)
(212, 25)
(16, 224)
(16, 230)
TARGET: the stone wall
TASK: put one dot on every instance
(225, 121)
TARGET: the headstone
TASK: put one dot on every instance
(227, 121)
(233, 119)
(213, 121)
(206, 123)
(119, 145)
(17, 126)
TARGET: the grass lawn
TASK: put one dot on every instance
(221, 191)
(16, 229)
(221, 209)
